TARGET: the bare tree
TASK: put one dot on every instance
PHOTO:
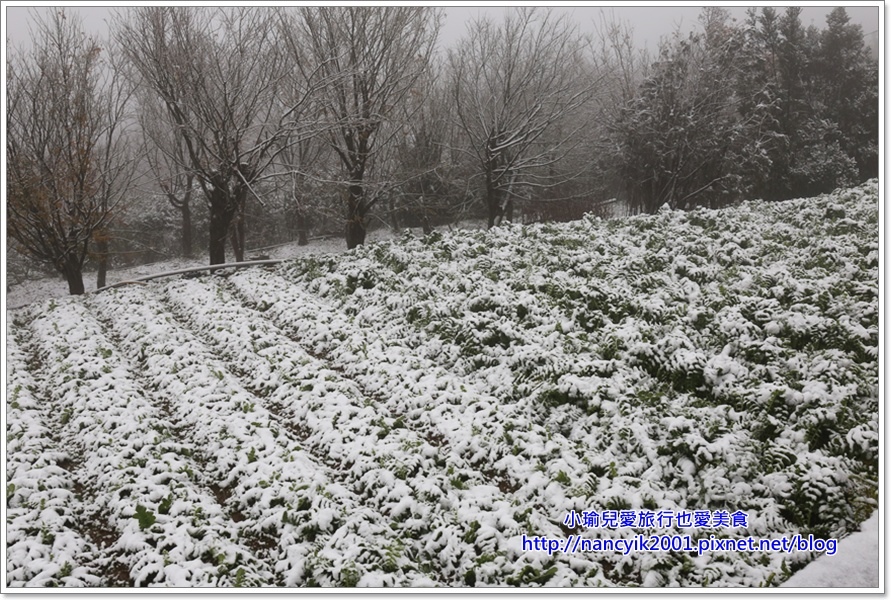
(512, 84)
(623, 67)
(165, 153)
(66, 156)
(431, 187)
(368, 59)
(301, 149)
(217, 73)
(300, 155)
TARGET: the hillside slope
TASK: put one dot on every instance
(416, 412)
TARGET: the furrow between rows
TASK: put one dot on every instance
(387, 465)
(313, 522)
(43, 545)
(504, 503)
(148, 513)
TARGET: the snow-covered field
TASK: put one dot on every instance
(405, 414)
(27, 292)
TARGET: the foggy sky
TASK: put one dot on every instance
(649, 23)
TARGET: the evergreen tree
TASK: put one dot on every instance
(691, 137)
(848, 78)
(813, 159)
(759, 91)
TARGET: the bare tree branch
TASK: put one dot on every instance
(67, 162)
(515, 87)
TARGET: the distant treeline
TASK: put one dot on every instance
(243, 127)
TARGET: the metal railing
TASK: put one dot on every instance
(208, 268)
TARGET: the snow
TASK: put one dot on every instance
(855, 564)
(402, 414)
(55, 287)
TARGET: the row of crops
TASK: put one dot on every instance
(405, 413)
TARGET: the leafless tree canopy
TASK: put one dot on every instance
(219, 75)
(67, 163)
(368, 61)
(514, 84)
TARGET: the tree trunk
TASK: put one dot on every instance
(356, 227)
(237, 221)
(217, 243)
(237, 237)
(220, 217)
(355, 235)
(302, 233)
(73, 275)
(186, 213)
(493, 203)
(102, 254)
(394, 217)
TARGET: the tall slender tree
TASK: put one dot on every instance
(432, 187)
(67, 160)
(512, 84)
(814, 159)
(849, 81)
(366, 62)
(166, 157)
(218, 74)
(684, 140)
